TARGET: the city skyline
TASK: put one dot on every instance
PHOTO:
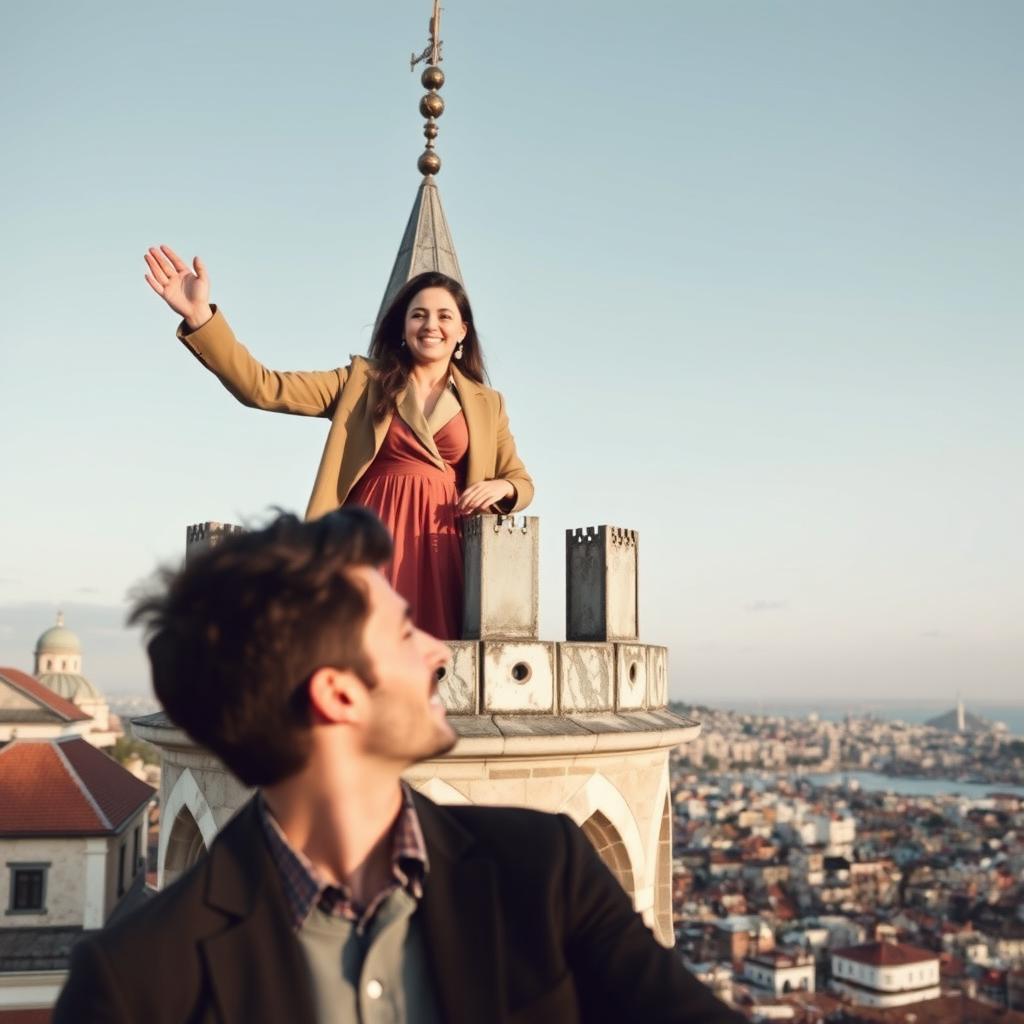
(794, 233)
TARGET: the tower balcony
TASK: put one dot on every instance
(580, 726)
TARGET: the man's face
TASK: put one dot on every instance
(408, 722)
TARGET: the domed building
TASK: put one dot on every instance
(58, 666)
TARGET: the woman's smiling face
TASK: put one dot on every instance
(433, 326)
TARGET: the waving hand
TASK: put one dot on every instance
(185, 289)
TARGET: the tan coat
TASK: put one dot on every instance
(346, 396)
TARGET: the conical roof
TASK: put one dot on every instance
(426, 245)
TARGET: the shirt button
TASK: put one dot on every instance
(374, 989)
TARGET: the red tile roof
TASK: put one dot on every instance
(780, 958)
(65, 787)
(43, 694)
(952, 1009)
(118, 792)
(886, 954)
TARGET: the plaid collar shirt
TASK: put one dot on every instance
(304, 889)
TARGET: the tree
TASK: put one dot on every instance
(125, 747)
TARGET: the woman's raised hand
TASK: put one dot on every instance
(185, 289)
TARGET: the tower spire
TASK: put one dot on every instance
(427, 241)
(431, 105)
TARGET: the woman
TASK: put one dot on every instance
(415, 433)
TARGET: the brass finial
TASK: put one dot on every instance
(431, 105)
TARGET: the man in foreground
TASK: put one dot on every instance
(337, 893)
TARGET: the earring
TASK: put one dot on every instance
(401, 344)
(458, 351)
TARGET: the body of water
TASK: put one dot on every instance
(872, 782)
(1011, 715)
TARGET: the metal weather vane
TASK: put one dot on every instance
(431, 104)
(432, 53)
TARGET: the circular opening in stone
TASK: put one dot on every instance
(441, 673)
(521, 672)
(633, 668)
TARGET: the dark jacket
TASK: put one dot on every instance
(523, 923)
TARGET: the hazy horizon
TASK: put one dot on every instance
(114, 659)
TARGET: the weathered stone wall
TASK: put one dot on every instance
(577, 727)
(115, 886)
(553, 678)
(601, 576)
(65, 880)
(14, 700)
(43, 730)
(628, 789)
(501, 572)
(195, 785)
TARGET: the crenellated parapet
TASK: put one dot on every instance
(577, 725)
(602, 584)
(500, 566)
(502, 667)
(544, 677)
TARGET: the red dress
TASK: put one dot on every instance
(416, 500)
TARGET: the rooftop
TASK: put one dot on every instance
(952, 1009)
(779, 958)
(36, 949)
(48, 703)
(886, 954)
(58, 639)
(65, 787)
(70, 685)
(426, 244)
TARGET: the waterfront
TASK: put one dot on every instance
(916, 712)
(874, 782)
(892, 755)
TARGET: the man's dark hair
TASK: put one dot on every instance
(236, 633)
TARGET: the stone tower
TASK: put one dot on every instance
(578, 726)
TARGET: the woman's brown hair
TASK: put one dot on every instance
(393, 359)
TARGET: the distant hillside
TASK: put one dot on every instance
(947, 721)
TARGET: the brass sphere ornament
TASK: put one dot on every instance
(429, 162)
(432, 77)
(431, 105)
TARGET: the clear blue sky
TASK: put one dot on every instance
(749, 275)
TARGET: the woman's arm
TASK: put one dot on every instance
(511, 488)
(302, 393)
(510, 467)
(207, 335)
